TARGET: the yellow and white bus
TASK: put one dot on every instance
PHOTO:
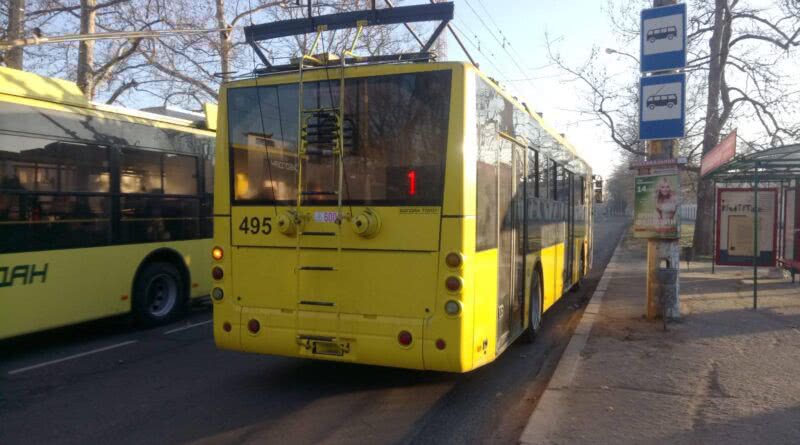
(443, 225)
(103, 210)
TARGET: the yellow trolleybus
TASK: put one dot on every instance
(102, 210)
(438, 229)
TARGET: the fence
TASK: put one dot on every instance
(689, 212)
(607, 209)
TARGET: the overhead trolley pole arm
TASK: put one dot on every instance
(442, 12)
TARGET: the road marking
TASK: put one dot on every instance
(188, 326)
(64, 359)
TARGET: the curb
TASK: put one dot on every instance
(550, 408)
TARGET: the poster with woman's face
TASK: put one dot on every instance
(657, 207)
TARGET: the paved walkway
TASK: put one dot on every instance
(726, 374)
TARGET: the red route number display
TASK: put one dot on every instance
(412, 182)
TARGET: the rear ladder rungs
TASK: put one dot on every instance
(317, 303)
(319, 268)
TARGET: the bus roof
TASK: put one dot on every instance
(29, 85)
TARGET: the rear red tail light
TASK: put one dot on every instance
(453, 284)
(440, 344)
(226, 327)
(454, 260)
(253, 326)
(404, 338)
(217, 273)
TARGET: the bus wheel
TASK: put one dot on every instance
(534, 309)
(581, 271)
(159, 294)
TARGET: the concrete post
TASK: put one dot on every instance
(663, 256)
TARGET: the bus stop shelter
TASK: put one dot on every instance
(777, 169)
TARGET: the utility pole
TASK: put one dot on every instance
(663, 254)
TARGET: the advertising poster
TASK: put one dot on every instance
(735, 237)
(656, 210)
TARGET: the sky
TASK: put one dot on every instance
(576, 26)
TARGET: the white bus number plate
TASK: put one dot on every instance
(325, 217)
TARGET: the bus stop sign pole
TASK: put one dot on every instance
(663, 255)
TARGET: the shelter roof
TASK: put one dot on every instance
(773, 164)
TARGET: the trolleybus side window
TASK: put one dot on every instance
(159, 201)
(564, 178)
(56, 191)
(486, 204)
(52, 194)
(533, 177)
(544, 177)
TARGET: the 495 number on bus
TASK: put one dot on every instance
(254, 225)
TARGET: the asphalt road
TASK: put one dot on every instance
(107, 382)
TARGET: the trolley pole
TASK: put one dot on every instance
(663, 255)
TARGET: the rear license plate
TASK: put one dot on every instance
(327, 348)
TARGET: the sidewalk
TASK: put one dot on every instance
(725, 374)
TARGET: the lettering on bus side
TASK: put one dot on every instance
(22, 274)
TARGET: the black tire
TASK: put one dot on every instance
(534, 309)
(581, 271)
(159, 294)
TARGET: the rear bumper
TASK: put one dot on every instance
(352, 338)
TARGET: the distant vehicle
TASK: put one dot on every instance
(664, 100)
(103, 210)
(668, 33)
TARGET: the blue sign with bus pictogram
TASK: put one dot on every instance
(663, 38)
(663, 107)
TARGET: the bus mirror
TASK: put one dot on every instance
(598, 189)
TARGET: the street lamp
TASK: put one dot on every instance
(613, 51)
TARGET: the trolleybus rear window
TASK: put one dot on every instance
(396, 140)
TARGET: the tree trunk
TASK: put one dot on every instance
(703, 243)
(224, 41)
(15, 30)
(86, 49)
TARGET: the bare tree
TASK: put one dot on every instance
(736, 32)
(190, 69)
(739, 73)
(184, 70)
(93, 65)
(15, 30)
